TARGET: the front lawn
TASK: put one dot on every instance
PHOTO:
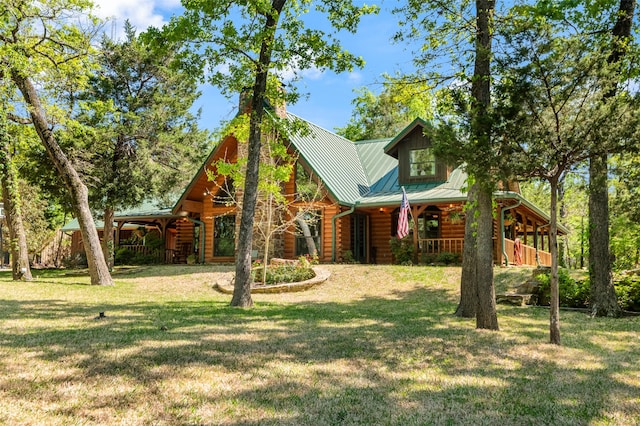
(374, 345)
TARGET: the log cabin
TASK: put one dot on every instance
(355, 216)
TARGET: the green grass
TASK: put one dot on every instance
(373, 345)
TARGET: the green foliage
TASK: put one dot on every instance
(126, 256)
(402, 250)
(576, 293)
(625, 212)
(225, 39)
(384, 115)
(154, 241)
(135, 131)
(448, 258)
(75, 261)
(347, 256)
(628, 293)
(282, 274)
(573, 293)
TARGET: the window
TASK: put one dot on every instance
(306, 188)
(422, 162)
(308, 232)
(224, 232)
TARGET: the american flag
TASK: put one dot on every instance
(403, 219)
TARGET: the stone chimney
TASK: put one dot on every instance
(244, 103)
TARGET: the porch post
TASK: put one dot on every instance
(414, 215)
(524, 238)
(118, 228)
(500, 252)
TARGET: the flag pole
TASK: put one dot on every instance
(410, 208)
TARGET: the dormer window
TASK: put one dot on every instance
(422, 163)
(417, 162)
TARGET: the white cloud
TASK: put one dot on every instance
(141, 13)
(292, 73)
(355, 77)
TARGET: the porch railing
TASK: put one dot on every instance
(435, 246)
(528, 254)
(441, 245)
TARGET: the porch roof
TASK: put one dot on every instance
(149, 209)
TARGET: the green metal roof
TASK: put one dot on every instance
(388, 190)
(360, 173)
(375, 164)
(148, 209)
(334, 159)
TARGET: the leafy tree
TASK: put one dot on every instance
(625, 212)
(241, 44)
(573, 198)
(464, 36)
(276, 213)
(12, 204)
(42, 49)
(603, 296)
(139, 140)
(384, 115)
(552, 111)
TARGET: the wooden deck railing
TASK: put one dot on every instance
(441, 245)
(528, 254)
(435, 246)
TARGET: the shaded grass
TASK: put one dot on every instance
(373, 345)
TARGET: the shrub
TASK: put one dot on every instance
(402, 250)
(573, 294)
(154, 241)
(124, 256)
(282, 274)
(147, 259)
(347, 256)
(427, 258)
(448, 258)
(75, 261)
(628, 293)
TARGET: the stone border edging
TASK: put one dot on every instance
(322, 274)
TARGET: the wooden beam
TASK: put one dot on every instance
(192, 206)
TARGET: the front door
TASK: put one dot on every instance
(359, 237)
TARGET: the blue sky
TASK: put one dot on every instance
(329, 96)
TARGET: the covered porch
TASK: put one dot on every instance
(529, 255)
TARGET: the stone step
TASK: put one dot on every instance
(516, 299)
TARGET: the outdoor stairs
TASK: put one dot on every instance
(524, 294)
(516, 299)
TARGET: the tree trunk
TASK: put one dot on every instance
(107, 237)
(242, 286)
(554, 312)
(563, 244)
(98, 270)
(17, 236)
(468, 283)
(486, 316)
(603, 295)
(306, 232)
